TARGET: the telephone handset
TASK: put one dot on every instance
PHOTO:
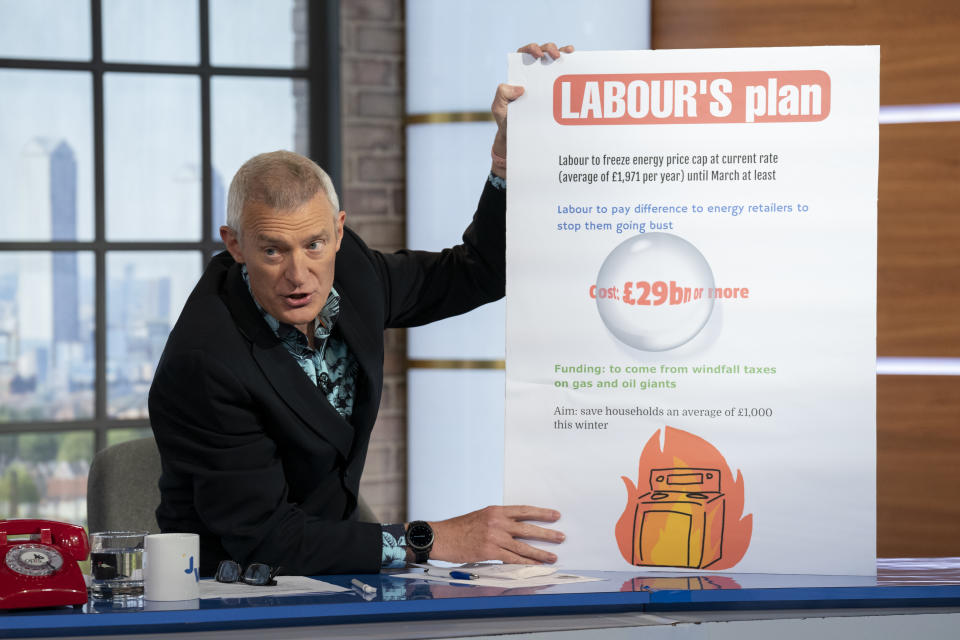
(38, 564)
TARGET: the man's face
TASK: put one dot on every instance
(290, 257)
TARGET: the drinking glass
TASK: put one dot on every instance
(116, 563)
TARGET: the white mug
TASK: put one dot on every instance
(171, 566)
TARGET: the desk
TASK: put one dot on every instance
(916, 590)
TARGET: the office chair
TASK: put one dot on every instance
(122, 492)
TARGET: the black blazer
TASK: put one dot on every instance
(255, 459)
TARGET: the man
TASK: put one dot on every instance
(268, 388)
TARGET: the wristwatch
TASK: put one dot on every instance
(420, 540)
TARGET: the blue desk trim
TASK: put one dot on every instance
(908, 583)
(806, 598)
(50, 623)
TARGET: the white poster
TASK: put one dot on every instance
(691, 307)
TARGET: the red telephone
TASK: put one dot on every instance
(39, 567)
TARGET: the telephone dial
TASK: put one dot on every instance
(38, 564)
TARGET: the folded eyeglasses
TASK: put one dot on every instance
(256, 574)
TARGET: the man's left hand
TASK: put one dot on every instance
(496, 533)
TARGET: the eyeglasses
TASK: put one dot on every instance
(257, 574)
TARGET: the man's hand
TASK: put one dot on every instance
(495, 533)
(506, 94)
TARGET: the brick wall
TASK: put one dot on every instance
(374, 173)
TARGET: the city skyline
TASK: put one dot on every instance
(153, 185)
(53, 358)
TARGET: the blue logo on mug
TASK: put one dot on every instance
(194, 570)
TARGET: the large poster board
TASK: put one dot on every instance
(691, 307)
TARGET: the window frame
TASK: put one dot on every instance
(323, 79)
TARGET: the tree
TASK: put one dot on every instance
(38, 447)
(17, 487)
(8, 448)
(116, 436)
(76, 446)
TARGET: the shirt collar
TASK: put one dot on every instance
(325, 319)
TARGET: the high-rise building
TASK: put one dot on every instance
(63, 226)
(47, 305)
(301, 90)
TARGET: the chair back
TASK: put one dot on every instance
(122, 490)
(123, 494)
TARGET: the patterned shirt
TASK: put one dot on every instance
(330, 367)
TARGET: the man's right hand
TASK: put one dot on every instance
(495, 533)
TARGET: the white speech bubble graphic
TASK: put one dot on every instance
(656, 291)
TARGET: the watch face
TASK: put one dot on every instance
(34, 560)
(419, 535)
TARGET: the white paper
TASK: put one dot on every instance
(492, 570)
(691, 266)
(508, 571)
(286, 586)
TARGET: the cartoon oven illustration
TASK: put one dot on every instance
(679, 522)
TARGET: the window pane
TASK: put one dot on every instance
(455, 432)
(152, 156)
(258, 33)
(442, 197)
(145, 293)
(251, 116)
(44, 475)
(46, 335)
(46, 155)
(438, 83)
(51, 29)
(149, 31)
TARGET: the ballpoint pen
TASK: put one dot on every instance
(463, 575)
(455, 573)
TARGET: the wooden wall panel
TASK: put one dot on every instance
(918, 466)
(918, 270)
(918, 39)
(918, 417)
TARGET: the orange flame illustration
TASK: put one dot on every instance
(686, 509)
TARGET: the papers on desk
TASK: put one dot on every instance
(506, 576)
(286, 586)
(508, 571)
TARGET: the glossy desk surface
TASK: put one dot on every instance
(898, 583)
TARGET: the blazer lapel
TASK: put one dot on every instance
(281, 370)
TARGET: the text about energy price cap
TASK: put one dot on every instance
(660, 169)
